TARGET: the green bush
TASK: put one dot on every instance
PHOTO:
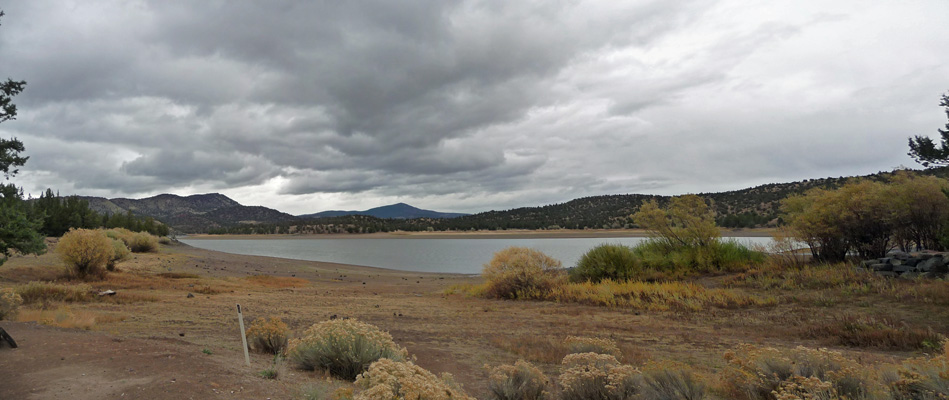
(678, 261)
(9, 303)
(607, 261)
(85, 252)
(344, 348)
(521, 273)
(521, 381)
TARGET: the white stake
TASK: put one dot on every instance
(240, 317)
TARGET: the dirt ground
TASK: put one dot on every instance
(154, 341)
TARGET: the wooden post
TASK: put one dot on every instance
(240, 317)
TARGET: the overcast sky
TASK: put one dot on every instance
(465, 106)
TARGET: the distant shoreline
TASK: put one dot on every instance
(508, 234)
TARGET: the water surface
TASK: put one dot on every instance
(465, 256)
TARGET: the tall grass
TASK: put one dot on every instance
(676, 296)
(40, 292)
(680, 261)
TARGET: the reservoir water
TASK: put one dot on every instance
(464, 256)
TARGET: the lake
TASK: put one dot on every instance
(463, 256)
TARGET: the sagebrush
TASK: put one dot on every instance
(390, 379)
(521, 381)
(343, 347)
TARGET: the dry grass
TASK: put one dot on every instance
(533, 347)
(675, 296)
(65, 317)
(876, 333)
(269, 281)
(42, 292)
(178, 275)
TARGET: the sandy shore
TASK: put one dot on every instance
(508, 234)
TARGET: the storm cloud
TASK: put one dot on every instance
(464, 105)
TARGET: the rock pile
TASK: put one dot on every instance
(910, 265)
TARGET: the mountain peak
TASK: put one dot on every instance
(392, 211)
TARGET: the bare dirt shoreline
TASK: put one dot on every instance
(508, 234)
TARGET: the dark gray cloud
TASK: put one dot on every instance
(464, 105)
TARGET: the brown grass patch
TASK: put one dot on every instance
(178, 275)
(40, 292)
(63, 317)
(552, 351)
(207, 289)
(532, 347)
(277, 281)
(875, 333)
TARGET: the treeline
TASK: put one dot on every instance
(869, 218)
(59, 214)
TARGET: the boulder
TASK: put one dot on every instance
(903, 268)
(909, 275)
(881, 267)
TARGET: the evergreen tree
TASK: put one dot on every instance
(924, 150)
(18, 226)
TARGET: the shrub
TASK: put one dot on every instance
(344, 348)
(671, 382)
(597, 376)
(85, 252)
(268, 335)
(607, 261)
(521, 381)
(756, 373)
(122, 234)
(9, 303)
(592, 345)
(40, 292)
(388, 379)
(119, 253)
(921, 378)
(143, 242)
(165, 240)
(521, 273)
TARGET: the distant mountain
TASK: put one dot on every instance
(192, 214)
(393, 211)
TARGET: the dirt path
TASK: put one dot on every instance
(54, 363)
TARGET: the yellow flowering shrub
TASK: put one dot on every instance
(521, 381)
(921, 378)
(577, 344)
(597, 376)
(764, 372)
(268, 335)
(392, 380)
(522, 273)
(9, 303)
(343, 347)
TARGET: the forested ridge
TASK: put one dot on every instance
(758, 206)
